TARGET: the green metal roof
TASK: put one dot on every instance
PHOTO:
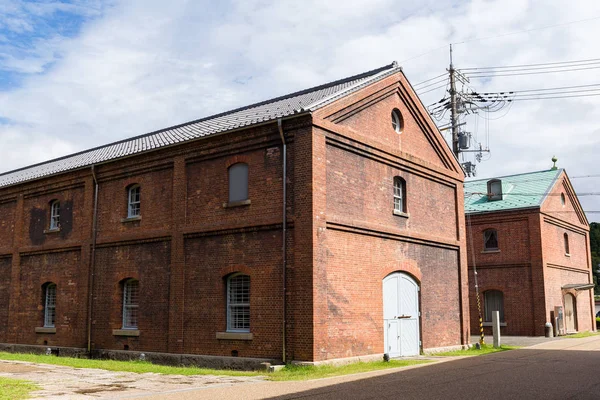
(518, 191)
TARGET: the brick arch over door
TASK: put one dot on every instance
(407, 267)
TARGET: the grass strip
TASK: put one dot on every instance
(139, 367)
(305, 372)
(289, 372)
(473, 351)
(15, 389)
(582, 335)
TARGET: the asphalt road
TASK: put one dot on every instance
(562, 369)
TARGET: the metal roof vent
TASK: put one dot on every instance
(494, 189)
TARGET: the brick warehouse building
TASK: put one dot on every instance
(530, 245)
(171, 242)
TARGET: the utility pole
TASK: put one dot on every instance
(453, 108)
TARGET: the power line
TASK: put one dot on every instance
(431, 90)
(493, 75)
(434, 83)
(553, 97)
(539, 90)
(430, 79)
(533, 65)
(555, 69)
(528, 30)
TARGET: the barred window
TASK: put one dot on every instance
(55, 214)
(49, 305)
(131, 295)
(238, 303)
(133, 209)
(490, 239)
(238, 182)
(399, 194)
(493, 301)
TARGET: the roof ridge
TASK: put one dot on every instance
(510, 176)
(210, 117)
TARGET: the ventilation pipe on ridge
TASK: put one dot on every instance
(92, 264)
(284, 245)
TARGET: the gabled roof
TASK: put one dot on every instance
(297, 103)
(518, 191)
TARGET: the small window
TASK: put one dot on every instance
(49, 305)
(238, 303)
(562, 199)
(133, 208)
(566, 239)
(238, 182)
(493, 301)
(131, 295)
(490, 239)
(55, 215)
(399, 195)
(494, 187)
(397, 121)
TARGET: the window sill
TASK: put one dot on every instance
(45, 330)
(131, 219)
(491, 324)
(567, 255)
(126, 332)
(234, 335)
(401, 214)
(490, 251)
(236, 203)
(53, 230)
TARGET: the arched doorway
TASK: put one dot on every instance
(570, 313)
(401, 315)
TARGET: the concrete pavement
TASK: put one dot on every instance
(559, 369)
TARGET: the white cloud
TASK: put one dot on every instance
(137, 66)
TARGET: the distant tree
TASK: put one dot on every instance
(595, 249)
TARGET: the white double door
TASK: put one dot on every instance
(401, 315)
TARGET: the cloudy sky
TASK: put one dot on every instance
(76, 74)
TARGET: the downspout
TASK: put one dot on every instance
(92, 264)
(284, 245)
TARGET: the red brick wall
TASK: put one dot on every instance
(61, 268)
(155, 202)
(36, 218)
(148, 263)
(7, 225)
(514, 282)
(209, 260)
(356, 267)
(5, 267)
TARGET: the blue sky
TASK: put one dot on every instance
(81, 73)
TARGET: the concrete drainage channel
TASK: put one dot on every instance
(58, 382)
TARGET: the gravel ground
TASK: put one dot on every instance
(58, 382)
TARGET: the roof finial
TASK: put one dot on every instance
(394, 64)
(554, 160)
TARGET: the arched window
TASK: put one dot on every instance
(238, 303)
(490, 239)
(49, 305)
(562, 199)
(238, 182)
(131, 296)
(494, 188)
(566, 239)
(133, 202)
(397, 121)
(399, 195)
(493, 301)
(55, 214)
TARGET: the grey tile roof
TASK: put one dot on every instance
(295, 103)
